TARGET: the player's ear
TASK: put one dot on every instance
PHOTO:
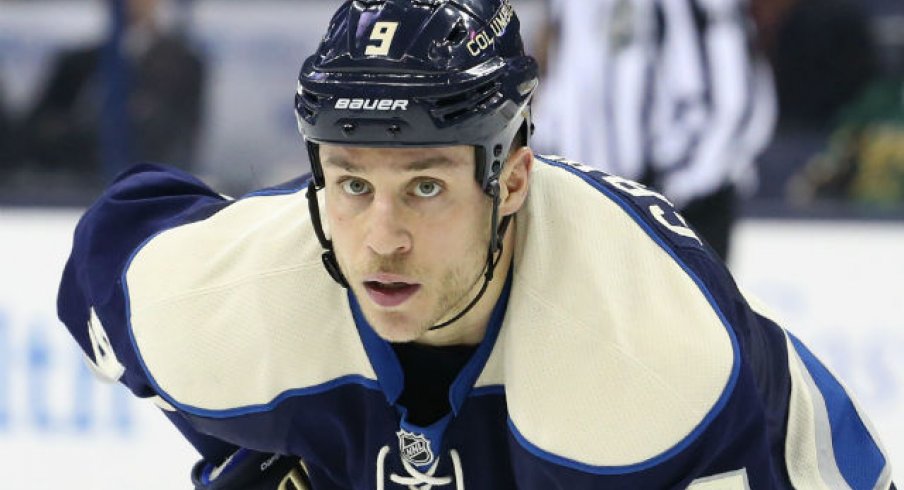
(515, 180)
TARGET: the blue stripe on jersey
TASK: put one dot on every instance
(380, 353)
(591, 179)
(465, 380)
(487, 390)
(858, 457)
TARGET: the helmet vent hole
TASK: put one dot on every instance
(307, 104)
(480, 98)
(458, 33)
(309, 96)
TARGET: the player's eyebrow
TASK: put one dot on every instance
(343, 164)
(428, 163)
(414, 166)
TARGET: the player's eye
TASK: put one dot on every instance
(427, 188)
(355, 187)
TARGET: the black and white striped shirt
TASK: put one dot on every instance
(668, 91)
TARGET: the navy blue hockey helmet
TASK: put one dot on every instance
(391, 73)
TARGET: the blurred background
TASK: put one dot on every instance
(89, 86)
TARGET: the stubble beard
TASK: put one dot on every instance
(459, 285)
(456, 288)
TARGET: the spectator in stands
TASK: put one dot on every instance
(831, 83)
(823, 53)
(163, 80)
(863, 160)
(670, 93)
(824, 56)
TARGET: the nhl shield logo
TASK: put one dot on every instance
(415, 448)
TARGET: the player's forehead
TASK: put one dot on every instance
(363, 159)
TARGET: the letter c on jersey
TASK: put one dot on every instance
(680, 229)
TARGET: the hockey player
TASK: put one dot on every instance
(436, 307)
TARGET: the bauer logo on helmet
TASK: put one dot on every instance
(372, 104)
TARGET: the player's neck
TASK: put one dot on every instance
(471, 328)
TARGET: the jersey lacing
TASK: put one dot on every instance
(415, 477)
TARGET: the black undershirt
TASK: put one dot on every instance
(429, 371)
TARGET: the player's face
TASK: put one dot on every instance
(410, 229)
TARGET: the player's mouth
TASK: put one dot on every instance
(389, 290)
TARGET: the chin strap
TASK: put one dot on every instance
(329, 256)
(494, 253)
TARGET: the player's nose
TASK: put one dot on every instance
(387, 233)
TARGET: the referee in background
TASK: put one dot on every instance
(671, 93)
